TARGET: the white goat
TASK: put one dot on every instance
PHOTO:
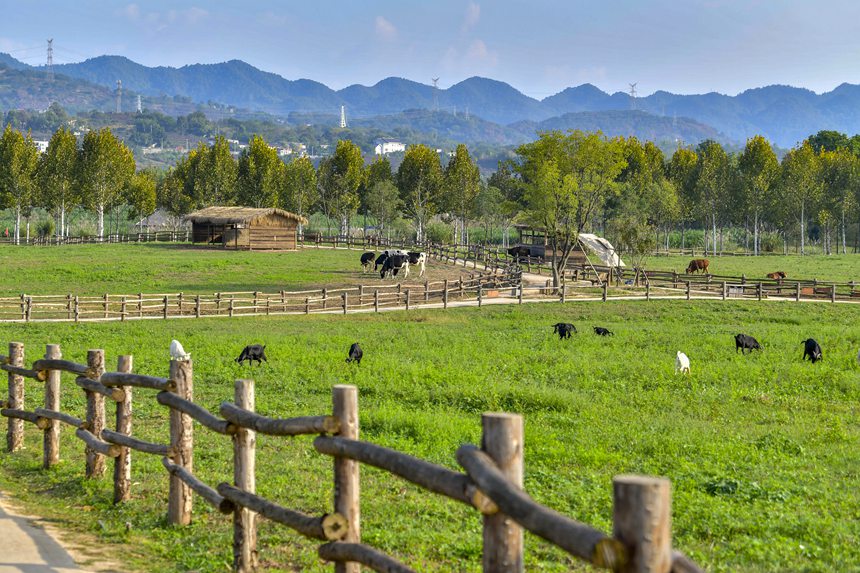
(682, 363)
(177, 352)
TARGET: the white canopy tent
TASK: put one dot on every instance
(602, 249)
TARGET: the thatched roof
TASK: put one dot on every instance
(236, 215)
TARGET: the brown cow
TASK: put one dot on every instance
(698, 265)
(777, 276)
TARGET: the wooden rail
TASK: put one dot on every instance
(492, 484)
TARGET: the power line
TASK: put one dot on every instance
(50, 63)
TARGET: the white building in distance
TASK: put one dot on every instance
(386, 146)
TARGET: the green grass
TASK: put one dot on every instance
(840, 268)
(761, 449)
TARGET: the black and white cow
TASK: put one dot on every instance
(395, 263)
(367, 260)
(418, 259)
(380, 260)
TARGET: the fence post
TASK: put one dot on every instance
(51, 444)
(180, 497)
(758, 291)
(407, 299)
(833, 292)
(445, 294)
(307, 305)
(95, 412)
(502, 440)
(605, 290)
(218, 303)
(77, 309)
(105, 305)
(256, 301)
(230, 306)
(426, 291)
(360, 295)
(674, 279)
(122, 463)
(244, 478)
(376, 300)
(563, 292)
(69, 306)
(140, 304)
(520, 293)
(283, 301)
(29, 311)
(122, 309)
(345, 302)
(165, 311)
(725, 289)
(15, 430)
(480, 293)
(688, 290)
(642, 521)
(197, 306)
(23, 307)
(179, 303)
(647, 290)
(325, 298)
(797, 292)
(346, 472)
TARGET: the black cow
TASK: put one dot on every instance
(563, 329)
(600, 331)
(253, 352)
(367, 260)
(355, 353)
(395, 263)
(812, 350)
(380, 260)
(746, 342)
(519, 252)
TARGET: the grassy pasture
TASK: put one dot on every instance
(761, 449)
(840, 268)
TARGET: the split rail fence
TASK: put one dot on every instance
(491, 482)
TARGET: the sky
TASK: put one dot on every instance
(538, 46)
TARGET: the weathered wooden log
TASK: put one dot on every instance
(51, 440)
(278, 426)
(683, 564)
(429, 476)
(502, 441)
(14, 414)
(199, 413)
(15, 429)
(136, 444)
(61, 417)
(96, 445)
(364, 554)
(122, 463)
(346, 471)
(64, 365)
(244, 478)
(39, 375)
(136, 380)
(115, 394)
(180, 500)
(330, 527)
(211, 496)
(642, 521)
(576, 538)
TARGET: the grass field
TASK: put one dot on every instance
(761, 449)
(840, 268)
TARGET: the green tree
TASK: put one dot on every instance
(800, 185)
(828, 140)
(57, 169)
(338, 179)
(217, 175)
(18, 162)
(511, 187)
(105, 166)
(462, 185)
(759, 172)
(712, 182)
(840, 175)
(260, 174)
(567, 178)
(384, 204)
(681, 171)
(421, 186)
(300, 187)
(140, 195)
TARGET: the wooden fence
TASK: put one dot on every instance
(492, 482)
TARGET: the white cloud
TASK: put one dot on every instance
(195, 14)
(479, 52)
(385, 29)
(132, 11)
(473, 14)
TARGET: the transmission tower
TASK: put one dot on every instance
(119, 96)
(435, 94)
(50, 63)
(342, 117)
(633, 95)
(139, 104)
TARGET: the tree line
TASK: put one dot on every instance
(567, 183)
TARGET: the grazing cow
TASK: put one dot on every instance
(746, 342)
(380, 260)
(698, 265)
(812, 350)
(177, 352)
(367, 260)
(682, 363)
(519, 252)
(600, 331)
(355, 353)
(253, 352)
(395, 263)
(777, 276)
(563, 329)
(417, 259)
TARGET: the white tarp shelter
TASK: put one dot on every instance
(602, 249)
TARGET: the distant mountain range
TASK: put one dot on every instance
(783, 114)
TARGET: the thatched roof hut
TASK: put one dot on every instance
(245, 227)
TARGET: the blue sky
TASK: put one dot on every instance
(538, 46)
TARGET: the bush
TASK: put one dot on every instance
(45, 228)
(439, 232)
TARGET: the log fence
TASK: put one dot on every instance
(491, 480)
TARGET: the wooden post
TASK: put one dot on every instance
(520, 294)
(140, 304)
(445, 294)
(197, 306)
(77, 309)
(165, 311)
(15, 429)
(122, 463)
(122, 309)
(502, 440)
(69, 306)
(758, 290)
(95, 413)
(325, 298)
(605, 290)
(24, 307)
(180, 496)
(426, 291)
(218, 303)
(833, 292)
(29, 308)
(346, 472)
(244, 478)
(725, 290)
(105, 304)
(179, 303)
(230, 306)
(51, 449)
(563, 292)
(256, 301)
(480, 294)
(797, 292)
(642, 521)
(307, 305)
(647, 290)
(461, 287)
(283, 301)
(688, 290)
(360, 295)
(345, 302)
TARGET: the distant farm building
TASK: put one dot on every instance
(245, 227)
(386, 146)
(536, 240)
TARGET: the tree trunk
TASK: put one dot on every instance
(17, 225)
(62, 229)
(714, 232)
(802, 230)
(844, 233)
(755, 235)
(100, 230)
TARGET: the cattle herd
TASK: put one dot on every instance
(393, 261)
